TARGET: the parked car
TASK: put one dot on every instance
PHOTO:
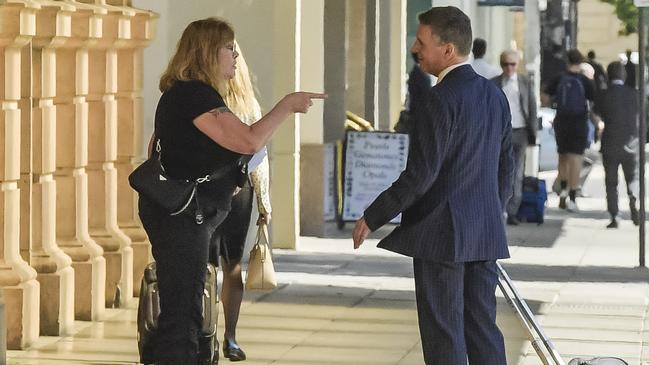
(548, 159)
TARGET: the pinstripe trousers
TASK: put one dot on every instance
(456, 305)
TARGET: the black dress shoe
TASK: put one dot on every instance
(232, 351)
(613, 224)
(513, 221)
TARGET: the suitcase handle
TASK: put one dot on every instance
(537, 336)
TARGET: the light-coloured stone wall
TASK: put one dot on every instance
(599, 30)
(70, 125)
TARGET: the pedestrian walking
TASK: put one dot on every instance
(630, 68)
(479, 64)
(571, 92)
(618, 108)
(600, 78)
(452, 195)
(229, 239)
(522, 103)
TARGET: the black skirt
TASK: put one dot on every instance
(229, 239)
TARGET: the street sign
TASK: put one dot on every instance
(641, 3)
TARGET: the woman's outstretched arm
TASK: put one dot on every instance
(224, 128)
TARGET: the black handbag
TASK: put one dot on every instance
(173, 195)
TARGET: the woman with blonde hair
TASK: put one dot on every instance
(229, 239)
(196, 134)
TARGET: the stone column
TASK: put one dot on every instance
(285, 148)
(312, 78)
(101, 58)
(129, 138)
(532, 51)
(72, 119)
(396, 83)
(354, 60)
(312, 151)
(383, 41)
(55, 273)
(372, 62)
(335, 62)
(17, 278)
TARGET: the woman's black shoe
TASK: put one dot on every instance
(232, 351)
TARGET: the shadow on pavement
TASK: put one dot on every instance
(588, 274)
(344, 264)
(535, 235)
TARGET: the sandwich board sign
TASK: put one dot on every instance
(373, 161)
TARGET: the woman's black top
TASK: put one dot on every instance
(186, 151)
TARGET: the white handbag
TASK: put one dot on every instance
(261, 272)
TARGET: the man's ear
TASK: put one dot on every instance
(449, 50)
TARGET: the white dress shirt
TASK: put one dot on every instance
(485, 69)
(449, 69)
(510, 88)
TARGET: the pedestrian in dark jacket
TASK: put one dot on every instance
(618, 108)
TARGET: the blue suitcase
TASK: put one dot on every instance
(533, 201)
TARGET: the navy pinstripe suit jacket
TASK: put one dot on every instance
(458, 176)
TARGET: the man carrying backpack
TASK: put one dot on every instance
(571, 92)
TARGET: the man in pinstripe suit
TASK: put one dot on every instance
(452, 195)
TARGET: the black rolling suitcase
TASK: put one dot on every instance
(149, 309)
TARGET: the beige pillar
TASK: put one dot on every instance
(17, 278)
(532, 47)
(55, 272)
(355, 58)
(100, 62)
(129, 139)
(72, 120)
(398, 50)
(372, 32)
(285, 148)
(335, 63)
(386, 50)
(135, 34)
(136, 30)
(312, 68)
(312, 151)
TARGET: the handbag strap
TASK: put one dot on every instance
(262, 231)
(218, 173)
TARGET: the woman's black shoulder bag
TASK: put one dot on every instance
(174, 195)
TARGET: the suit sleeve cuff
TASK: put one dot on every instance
(375, 215)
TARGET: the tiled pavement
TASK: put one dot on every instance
(337, 306)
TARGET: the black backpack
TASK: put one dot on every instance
(571, 96)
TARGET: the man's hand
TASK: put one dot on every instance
(361, 231)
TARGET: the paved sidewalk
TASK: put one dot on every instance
(340, 306)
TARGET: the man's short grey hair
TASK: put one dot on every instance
(451, 25)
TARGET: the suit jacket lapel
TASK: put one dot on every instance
(522, 96)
